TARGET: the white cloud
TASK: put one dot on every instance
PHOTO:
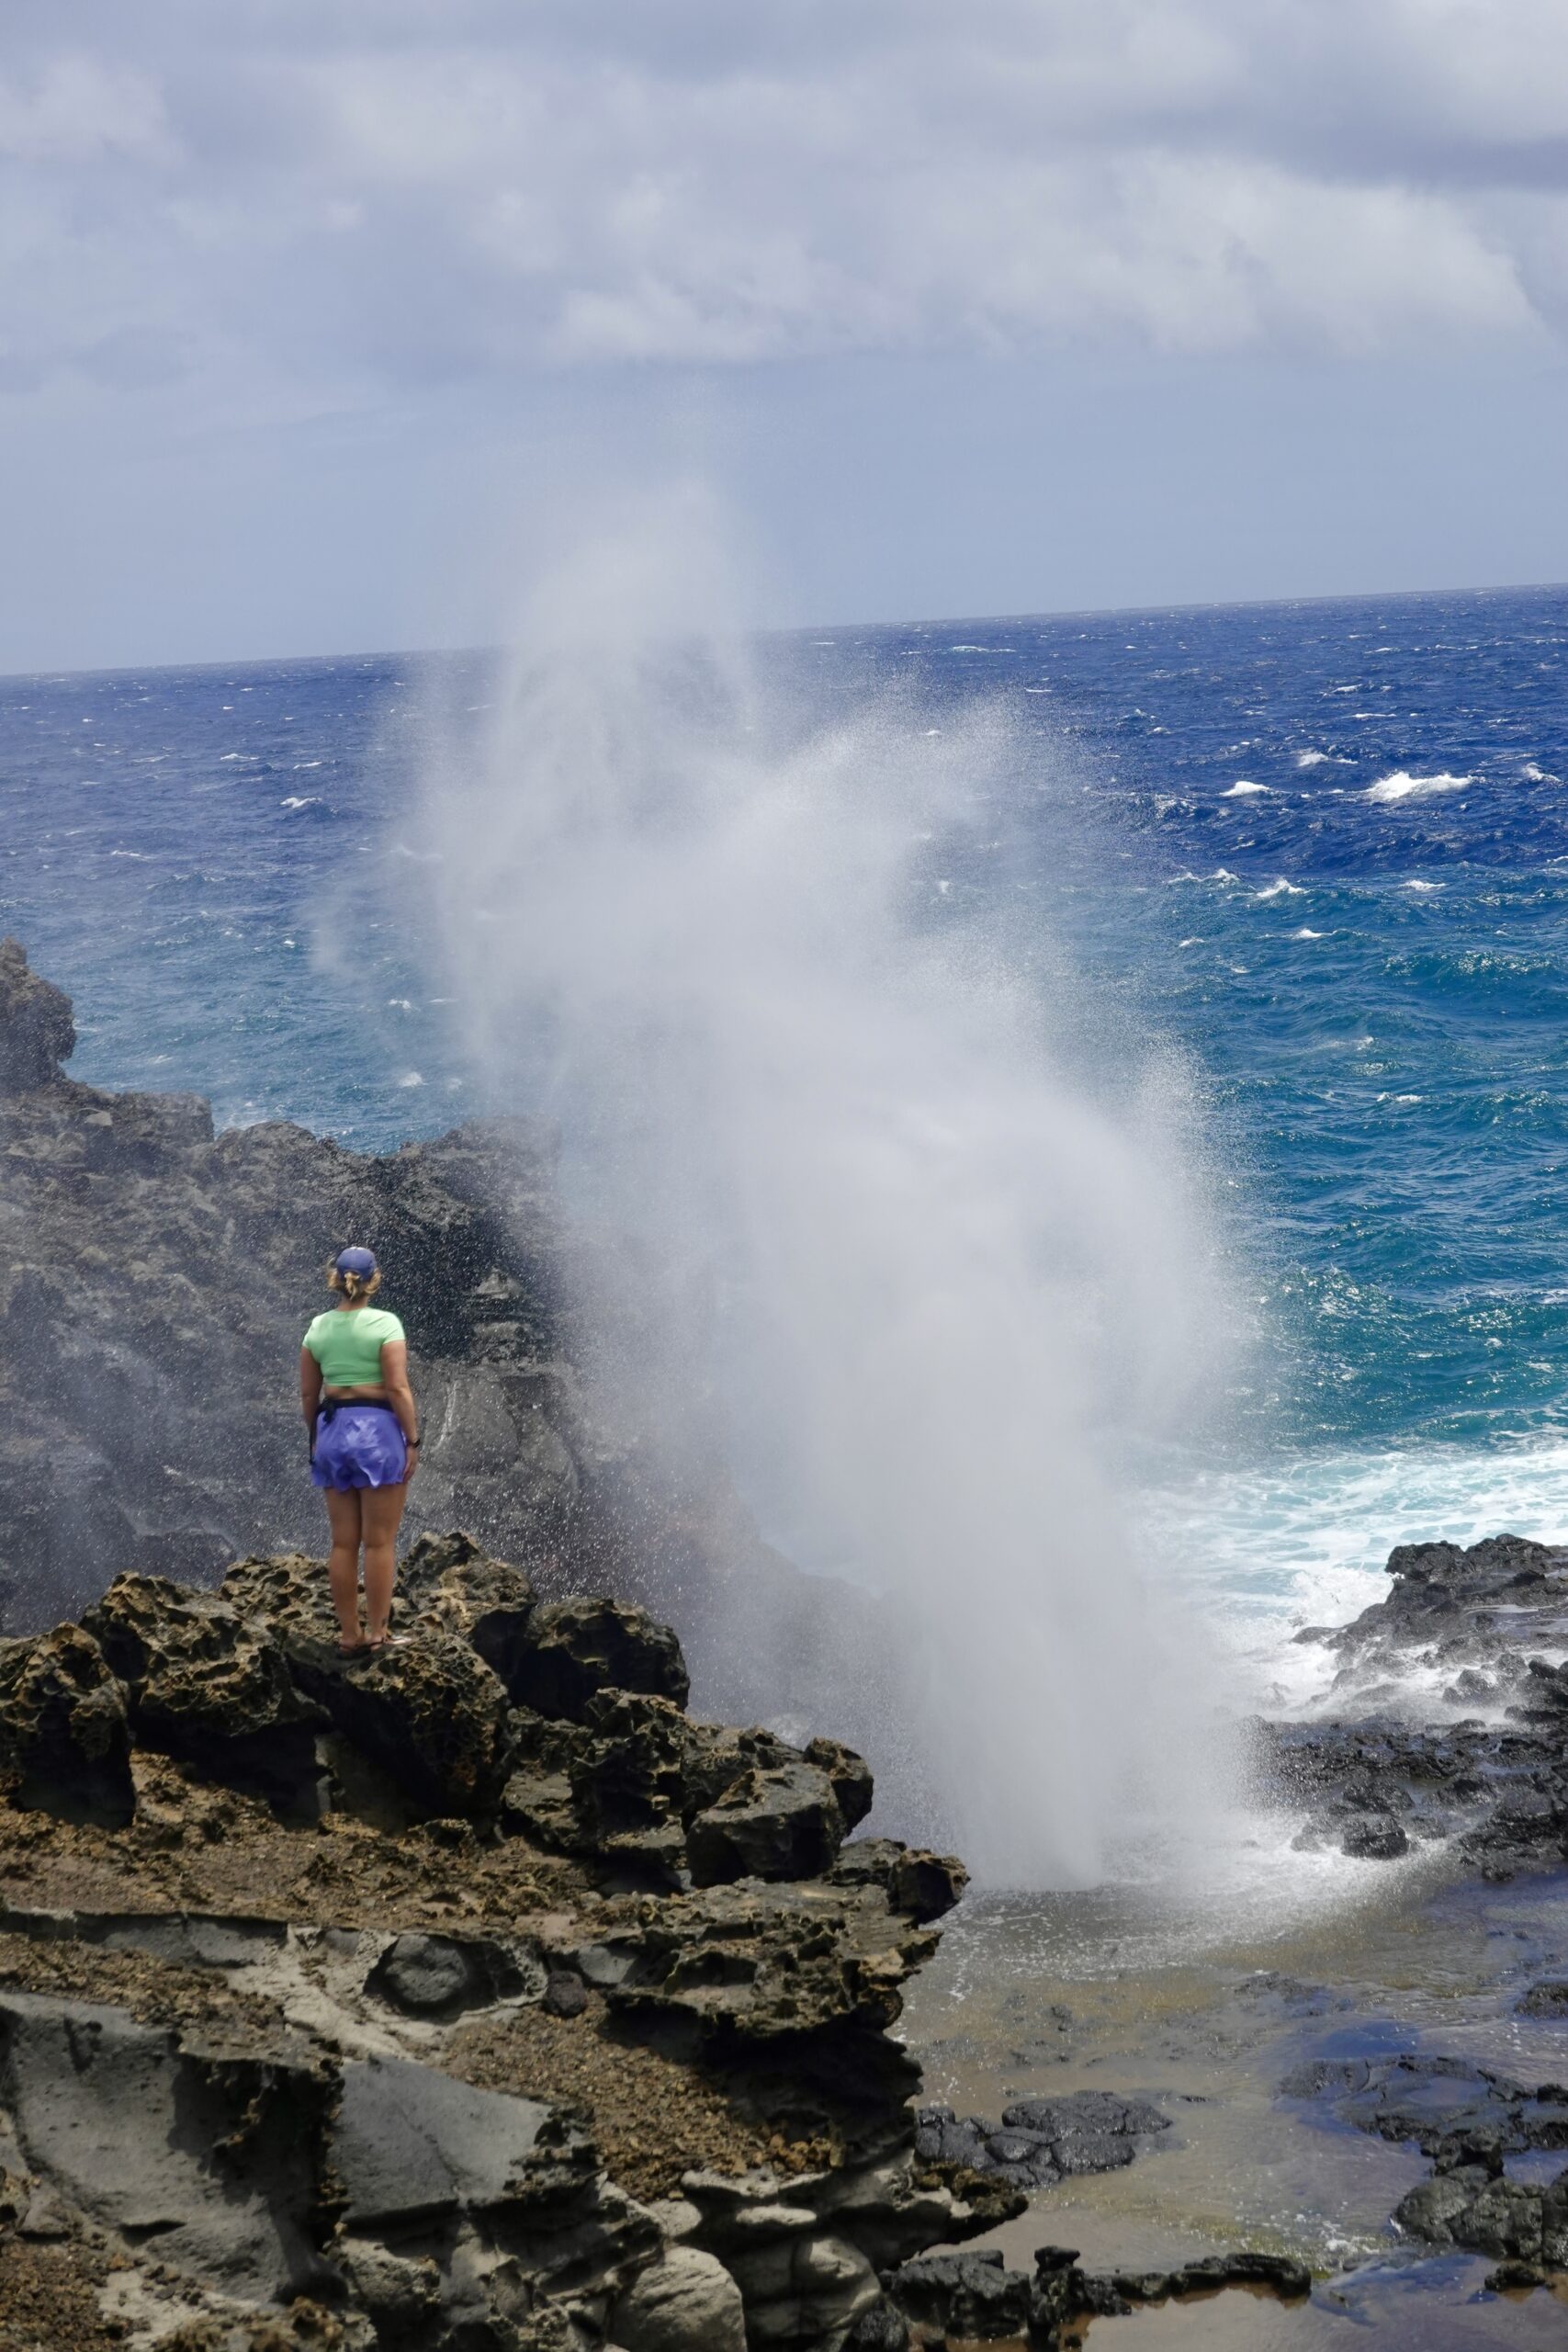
(379, 192)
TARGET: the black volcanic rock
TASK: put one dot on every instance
(36, 1032)
(1041, 2140)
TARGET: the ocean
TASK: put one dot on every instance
(1318, 850)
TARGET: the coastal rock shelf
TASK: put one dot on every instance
(467, 1994)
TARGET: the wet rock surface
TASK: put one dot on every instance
(1403, 1760)
(489, 2043)
(1040, 2141)
(974, 2297)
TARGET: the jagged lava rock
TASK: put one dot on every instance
(579, 1648)
(208, 1686)
(64, 1734)
(374, 2155)
(446, 1583)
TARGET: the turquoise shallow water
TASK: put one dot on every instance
(1322, 850)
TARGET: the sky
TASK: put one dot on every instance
(323, 321)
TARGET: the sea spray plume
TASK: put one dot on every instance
(942, 1289)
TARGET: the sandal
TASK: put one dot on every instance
(352, 1649)
(387, 1642)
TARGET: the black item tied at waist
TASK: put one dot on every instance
(330, 1404)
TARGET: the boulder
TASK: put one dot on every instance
(1485, 2216)
(442, 1976)
(447, 1584)
(804, 2289)
(578, 1647)
(918, 1884)
(287, 1595)
(972, 2296)
(687, 2302)
(431, 1715)
(36, 1032)
(1040, 2141)
(65, 1732)
(850, 1775)
(208, 1686)
(1375, 1838)
(778, 1821)
(883, 2328)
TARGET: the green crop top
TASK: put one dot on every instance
(347, 1342)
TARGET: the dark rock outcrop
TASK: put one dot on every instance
(1040, 2141)
(466, 2053)
(1390, 1769)
(124, 1213)
(64, 1737)
(973, 2298)
(206, 1685)
(36, 1032)
(577, 1649)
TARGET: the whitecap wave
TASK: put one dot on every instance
(1313, 759)
(1279, 888)
(1305, 933)
(1534, 775)
(1416, 884)
(1243, 787)
(1403, 786)
(302, 800)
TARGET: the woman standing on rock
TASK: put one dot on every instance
(354, 1387)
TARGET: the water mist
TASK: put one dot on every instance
(939, 1288)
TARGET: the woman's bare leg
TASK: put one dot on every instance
(342, 1566)
(382, 1509)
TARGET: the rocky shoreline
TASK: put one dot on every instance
(492, 1994)
(472, 1993)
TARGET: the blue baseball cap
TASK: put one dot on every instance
(356, 1261)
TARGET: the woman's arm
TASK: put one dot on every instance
(309, 1391)
(400, 1396)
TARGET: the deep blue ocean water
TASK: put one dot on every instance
(1321, 848)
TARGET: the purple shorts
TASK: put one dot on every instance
(358, 1445)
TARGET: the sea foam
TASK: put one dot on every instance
(1403, 786)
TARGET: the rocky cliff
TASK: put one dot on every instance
(470, 1995)
(154, 1281)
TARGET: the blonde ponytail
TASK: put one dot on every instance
(354, 1287)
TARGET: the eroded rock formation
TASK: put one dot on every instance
(472, 1993)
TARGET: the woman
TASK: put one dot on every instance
(353, 1386)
